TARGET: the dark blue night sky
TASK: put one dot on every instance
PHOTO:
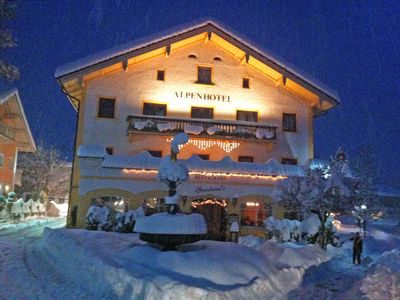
(351, 46)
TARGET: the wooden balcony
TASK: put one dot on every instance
(6, 131)
(214, 129)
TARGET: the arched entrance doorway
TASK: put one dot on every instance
(214, 212)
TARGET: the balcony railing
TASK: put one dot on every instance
(7, 131)
(202, 127)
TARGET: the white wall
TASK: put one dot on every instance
(138, 84)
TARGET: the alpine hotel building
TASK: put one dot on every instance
(249, 118)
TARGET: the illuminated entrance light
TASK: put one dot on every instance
(212, 174)
(206, 144)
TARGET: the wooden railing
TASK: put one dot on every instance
(7, 131)
(220, 129)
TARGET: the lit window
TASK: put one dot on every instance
(253, 213)
(289, 122)
(160, 75)
(155, 153)
(246, 83)
(289, 161)
(152, 109)
(109, 150)
(202, 113)
(106, 108)
(250, 116)
(246, 159)
(204, 75)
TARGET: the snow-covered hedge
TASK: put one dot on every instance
(293, 231)
(16, 209)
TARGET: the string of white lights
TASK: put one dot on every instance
(206, 144)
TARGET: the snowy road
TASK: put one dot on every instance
(19, 278)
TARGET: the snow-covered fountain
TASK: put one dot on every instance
(173, 228)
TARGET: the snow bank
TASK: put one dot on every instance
(383, 278)
(290, 255)
(113, 266)
(164, 223)
(250, 241)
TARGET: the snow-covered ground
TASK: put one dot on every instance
(38, 263)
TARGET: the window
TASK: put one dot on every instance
(202, 113)
(204, 156)
(117, 203)
(289, 161)
(217, 58)
(161, 75)
(251, 116)
(204, 75)
(1, 160)
(106, 108)
(192, 56)
(289, 122)
(253, 213)
(155, 153)
(109, 150)
(246, 83)
(246, 159)
(152, 109)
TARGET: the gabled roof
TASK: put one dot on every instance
(16, 114)
(72, 74)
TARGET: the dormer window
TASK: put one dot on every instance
(192, 56)
(204, 75)
(217, 58)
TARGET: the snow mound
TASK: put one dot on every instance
(290, 255)
(119, 266)
(251, 241)
(164, 223)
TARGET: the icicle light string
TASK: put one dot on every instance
(208, 201)
(211, 174)
(206, 144)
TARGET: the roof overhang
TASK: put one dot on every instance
(15, 118)
(73, 76)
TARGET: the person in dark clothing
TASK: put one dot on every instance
(357, 248)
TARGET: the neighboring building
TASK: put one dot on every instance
(250, 120)
(15, 136)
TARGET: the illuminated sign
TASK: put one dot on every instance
(203, 96)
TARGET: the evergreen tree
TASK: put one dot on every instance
(7, 71)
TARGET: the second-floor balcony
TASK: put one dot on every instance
(219, 129)
(7, 131)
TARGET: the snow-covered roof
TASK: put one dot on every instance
(208, 24)
(144, 160)
(24, 138)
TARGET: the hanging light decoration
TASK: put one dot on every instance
(211, 174)
(206, 144)
(198, 203)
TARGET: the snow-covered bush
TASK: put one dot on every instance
(124, 222)
(283, 230)
(98, 218)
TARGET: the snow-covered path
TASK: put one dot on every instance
(18, 280)
(339, 278)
